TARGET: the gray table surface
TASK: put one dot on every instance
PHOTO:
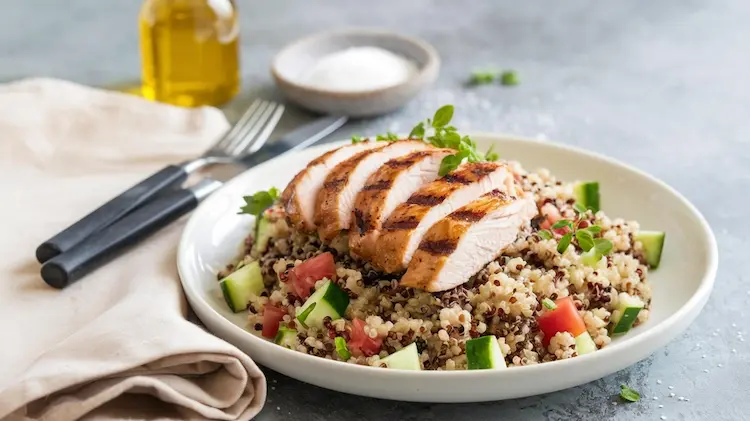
(660, 85)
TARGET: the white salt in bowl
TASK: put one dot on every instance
(292, 64)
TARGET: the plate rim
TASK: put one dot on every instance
(694, 304)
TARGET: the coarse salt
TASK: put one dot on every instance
(658, 382)
(663, 417)
(358, 69)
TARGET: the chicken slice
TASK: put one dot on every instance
(403, 229)
(462, 243)
(299, 196)
(390, 186)
(335, 199)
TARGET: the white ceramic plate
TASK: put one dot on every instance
(681, 285)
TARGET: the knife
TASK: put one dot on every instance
(108, 243)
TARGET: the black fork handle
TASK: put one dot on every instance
(111, 211)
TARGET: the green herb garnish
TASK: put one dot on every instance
(549, 304)
(509, 78)
(256, 204)
(482, 77)
(584, 236)
(341, 348)
(357, 139)
(629, 394)
(446, 136)
(546, 234)
(388, 137)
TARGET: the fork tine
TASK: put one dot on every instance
(263, 136)
(226, 139)
(248, 137)
(241, 138)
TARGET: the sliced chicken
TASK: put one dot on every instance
(462, 243)
(335, 201)
(404, 228)
(299, 196)
(390, 186)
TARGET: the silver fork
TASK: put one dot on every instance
(245, 137)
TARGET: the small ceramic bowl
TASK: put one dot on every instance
(292, 63)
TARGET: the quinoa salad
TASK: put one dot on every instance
(562, 280)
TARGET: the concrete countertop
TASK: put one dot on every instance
(663, 86)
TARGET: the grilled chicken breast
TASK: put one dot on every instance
(299, 196)
(387, 188)
(335, 201)
(462, 243)
(403, 230)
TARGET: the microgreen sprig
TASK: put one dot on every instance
(629, 394)
(444, 135)
(388, 137)
(585, 237)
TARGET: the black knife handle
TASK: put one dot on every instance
(111, 211)
(98, 249)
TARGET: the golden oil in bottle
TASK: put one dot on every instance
(190, 51)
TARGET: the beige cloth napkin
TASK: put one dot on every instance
(116, 344)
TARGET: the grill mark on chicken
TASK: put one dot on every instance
(362, 225)
(425, 200)
(404, 224)
(334, 184)
(405, 163)
(380, 185)
(467, 215)
(456, 179)
(439, 247)
(483, 168)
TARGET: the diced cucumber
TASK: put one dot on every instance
(406, 358)
(484, 352)
(625, 314)
(584, 344)
(653, 243)
(342, 349)
(286, 337)
(591, 258)
(329, 300)
(238, 286)
(262, 234)
(587, 194)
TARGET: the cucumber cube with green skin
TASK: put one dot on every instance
(653, 244)
(587, 195)
(591, 258)
(625, 314)
(584, 344)
(406, 358)
(286, 337)
(262, 234)
(329, 300)
(484, 353)
(240, 285)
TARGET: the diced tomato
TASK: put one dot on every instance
(360, 342)
(303, 277)
(564, 318)
(272, 316)
(551, 215)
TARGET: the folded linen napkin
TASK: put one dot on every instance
(116, 344)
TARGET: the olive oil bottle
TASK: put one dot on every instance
(190, 51)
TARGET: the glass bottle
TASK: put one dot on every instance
(190, 51)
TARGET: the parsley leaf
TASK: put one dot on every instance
(562, 223)
(603, 246)
(585, 240)
(594, 229)
(579, 208)
(629, 394)
(259, 202)
(491, 155)
(449, 163)
(357, 139)
(442, 116)
(418, 131)
(564, 243)
(509, 78)
(545, 234)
